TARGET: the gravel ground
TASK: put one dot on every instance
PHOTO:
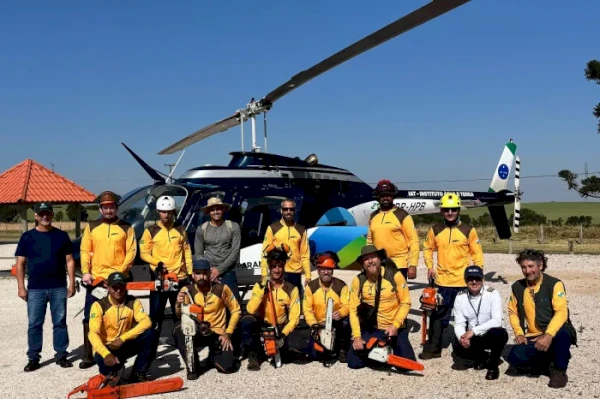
(304, 380)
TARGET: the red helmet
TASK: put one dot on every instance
(326, 261)
(385, 187)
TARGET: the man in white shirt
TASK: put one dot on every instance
(479, 324)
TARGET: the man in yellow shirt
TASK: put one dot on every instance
(120, 329)
(215, 298)
(287, 231)
(456, 243)
(108, 245)
(387, 316)
(259, 308)
(539, 317)
(393, 229)
(165, 247)
(316, 296)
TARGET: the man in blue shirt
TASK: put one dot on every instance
(45, 250)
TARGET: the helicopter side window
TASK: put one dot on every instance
(258, 214)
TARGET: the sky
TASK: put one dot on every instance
(426, 109)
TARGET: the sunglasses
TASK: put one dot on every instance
(474, 279)
(288, 209)
(449, 210)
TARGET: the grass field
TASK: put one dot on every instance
(552, 210)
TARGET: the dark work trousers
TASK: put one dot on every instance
(142, 346)
(559, 353)
(229, 278)
(440, 319)
(400, 345)
(224, 361)
(494, 339)
(404, 272)
(251, 332)
(296, 280)
(342, 338)
(158, 301)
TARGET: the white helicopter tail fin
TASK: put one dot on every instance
(507, 159)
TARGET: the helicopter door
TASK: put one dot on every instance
(257, 215)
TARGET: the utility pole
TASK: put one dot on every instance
(586, 176)
(170, 166)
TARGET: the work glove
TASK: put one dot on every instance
(281, 341)
(160, 268)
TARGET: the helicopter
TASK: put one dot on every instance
(331, 202)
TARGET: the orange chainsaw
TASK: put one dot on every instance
(381, 351)
(100, 387)
(430, 300)
(270, 334)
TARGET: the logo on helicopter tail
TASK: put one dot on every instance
(503, 171)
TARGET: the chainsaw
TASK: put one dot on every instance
(103, 387)
(381, 351)
(270, 334)
(430, 300)
(167, 282)
(192, 322)
(325, 337)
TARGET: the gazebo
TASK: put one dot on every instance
(29, 182)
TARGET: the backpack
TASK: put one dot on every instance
(228, 226)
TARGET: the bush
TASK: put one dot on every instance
(72, 213)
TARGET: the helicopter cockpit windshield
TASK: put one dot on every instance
(138, 207)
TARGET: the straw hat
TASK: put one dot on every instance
(215, 201)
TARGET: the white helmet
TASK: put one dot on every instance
(165, 203)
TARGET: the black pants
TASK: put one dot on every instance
(142, 346)
(251, 332)
(342, 338)
(440, 319)
(495, 340)
(224, 361)
(158, 301)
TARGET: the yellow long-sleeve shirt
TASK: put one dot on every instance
(393, 306)
(316, 296)
(110, 321)
(107, 247)
(215, 303)
(287, 305)
(395, 232)
(559, 305)
(455, 247)
(169, 246)
(296, 238)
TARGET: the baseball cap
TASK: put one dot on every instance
(200, 264)
(43, 206)
(116, 278)
(474, 271)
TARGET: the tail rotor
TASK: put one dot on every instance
(518, 193)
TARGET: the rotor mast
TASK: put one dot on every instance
(253, 108)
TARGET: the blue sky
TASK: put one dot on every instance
(436, 103)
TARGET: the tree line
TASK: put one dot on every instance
(11, 213)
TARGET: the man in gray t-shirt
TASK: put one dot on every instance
(218, 241)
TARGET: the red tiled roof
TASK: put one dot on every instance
(30, 182)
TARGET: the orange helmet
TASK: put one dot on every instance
(385, 187)
(327, 260)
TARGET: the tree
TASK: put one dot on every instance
(590, 187)
(72, 213)
(592, 72)
(60, 216)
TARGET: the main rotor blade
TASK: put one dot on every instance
(433, 9)
(203, 133)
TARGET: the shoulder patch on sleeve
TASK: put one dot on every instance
(490, 289)
(561, 294)
(462, 292)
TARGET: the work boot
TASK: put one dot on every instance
(64, 362)
(88, 359)
(558, 378)
(342, 356)
(492, 374)
(32, 365)
(253, 361)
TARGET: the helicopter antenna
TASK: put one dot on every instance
(169, 180)
(265, 128)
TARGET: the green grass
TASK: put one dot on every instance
(552, 210)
